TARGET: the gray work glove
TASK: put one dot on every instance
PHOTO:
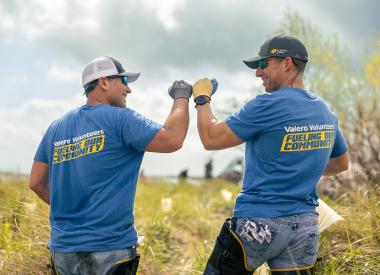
(180, 89)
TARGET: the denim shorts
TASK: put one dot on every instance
(285, 243)
(94, 263)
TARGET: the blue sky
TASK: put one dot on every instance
(44, 46)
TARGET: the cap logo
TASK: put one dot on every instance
(278, 51)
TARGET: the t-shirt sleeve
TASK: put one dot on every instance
(252, 118)
(41, 154)
(136, 130)
(340, 146)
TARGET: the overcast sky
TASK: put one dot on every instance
(45, 45)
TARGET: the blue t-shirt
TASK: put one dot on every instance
(290, 136)
(94, 155)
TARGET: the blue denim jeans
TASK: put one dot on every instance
(283, 242)
(90, 263)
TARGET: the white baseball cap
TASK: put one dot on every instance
(105, 66)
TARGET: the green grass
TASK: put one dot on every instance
(179, 241)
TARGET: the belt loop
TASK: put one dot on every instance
(233, 223)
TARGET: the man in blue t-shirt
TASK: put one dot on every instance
(87, 165)
(292, 139)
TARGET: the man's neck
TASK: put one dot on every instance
(293, 81)
(94, 99)
(297, 84)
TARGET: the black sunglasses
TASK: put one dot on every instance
(263, 63)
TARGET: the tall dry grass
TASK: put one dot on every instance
(180, 223)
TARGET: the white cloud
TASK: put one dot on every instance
(64, 74)
(36, 18)
(22, 129)
(32, 117)
(165, 11)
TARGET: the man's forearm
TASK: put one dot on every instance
(214, 134)
(332, 170)
(337, 165)
(178, 120)
(39, 180)
(205, 119)
(42, 191)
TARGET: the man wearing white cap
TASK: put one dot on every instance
(87, 165)
(292, 139)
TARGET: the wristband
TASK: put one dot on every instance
(201, 100)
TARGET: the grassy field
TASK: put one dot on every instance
(180, 223)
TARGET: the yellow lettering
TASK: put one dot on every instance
(307, 141)
(81, 148)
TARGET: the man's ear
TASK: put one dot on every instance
(288, 64)
(103, 83)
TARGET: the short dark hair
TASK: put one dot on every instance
(89, 87)
(300, 64)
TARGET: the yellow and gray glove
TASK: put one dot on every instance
(203, 89)
(180, 89)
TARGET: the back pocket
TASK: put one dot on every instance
(310, 252)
